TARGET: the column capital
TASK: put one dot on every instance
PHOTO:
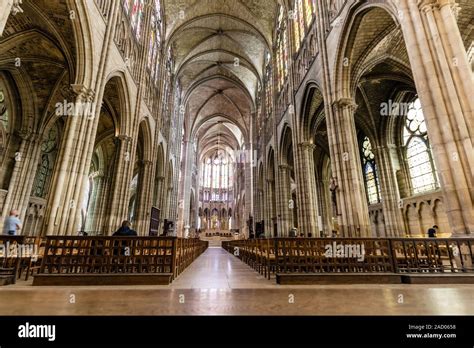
(454, 7)
(28, 135)
(82, 92)
(97, 174)
(307, 145)
(284, 167)
(428, 5)
(124, 138)
(344, 103)
(145, 163)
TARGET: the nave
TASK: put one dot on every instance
(138, 135)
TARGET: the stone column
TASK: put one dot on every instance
(345, 160)
(97, 205)
(258, 206)
(159, 193)
(24, 171)
(261, 202)
(7, 7)
(307, 199)
(119, 189)
(269, 203)
(249, 207)
(187, 181)
(444, 83)
(159, 198)
(144, 198)
(63, 208)
(389, 193)
(324, 204)
(285, 214)
(167, 205)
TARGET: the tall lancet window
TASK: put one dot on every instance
(418, 154)
(155, 42)
(217, 176)
(370, 172)
(302, 18)
(49, 149)
(135, 10)
(207, 173)
(282, 49)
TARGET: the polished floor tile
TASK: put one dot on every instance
(217, 283)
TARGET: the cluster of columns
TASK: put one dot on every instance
(110, 201)
(444, 83)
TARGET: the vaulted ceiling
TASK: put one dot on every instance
(219, 49)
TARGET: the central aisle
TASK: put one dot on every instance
(217, 269)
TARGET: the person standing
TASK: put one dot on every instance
(12, 224)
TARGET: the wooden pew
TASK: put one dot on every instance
(78, 260)
(433, 255)
(10, 259)
(385, 260)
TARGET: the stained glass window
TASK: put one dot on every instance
(282, 50)
(158, 9)
(215, 173)
(207, 175)
(126, 5)
(45, 168)
(419, 158)
(302, 18)
(155, 41)
(136, 16)
(217, 176)
(310, 9)
(268, 84)
(370, 172)
(3, 110)
(285, 52)
(224, 173)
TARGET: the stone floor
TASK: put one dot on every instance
(217, 283)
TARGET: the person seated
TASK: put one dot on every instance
(432, 231)
(125, 230)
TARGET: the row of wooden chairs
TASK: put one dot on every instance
(218, 234)
(104, 255)
(257, 253)
(187, 250)
(380, 255)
